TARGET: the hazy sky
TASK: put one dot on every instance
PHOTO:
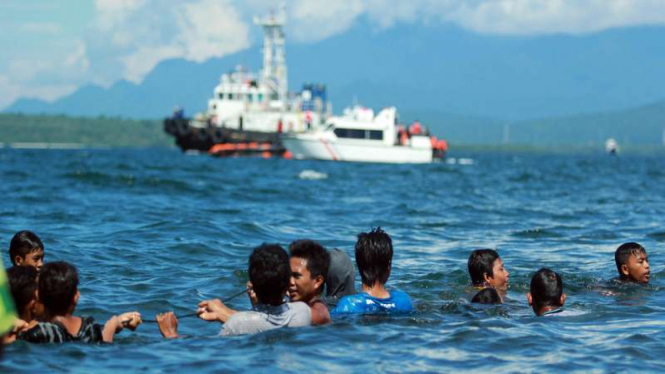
(50, 48)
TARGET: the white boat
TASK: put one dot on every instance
(359, 136)
(248, 109)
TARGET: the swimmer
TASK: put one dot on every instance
(546, 295)
(374, 255)
(486, 270)
(26, 249)
(341, 277)
(23, 288)
(58, 291)
(309, 265)
(269, 274)
(487, 296)
(632, 263)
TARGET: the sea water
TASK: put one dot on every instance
(155, 230)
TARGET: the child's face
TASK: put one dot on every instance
(34, 259)
(500, 278)
(637, 268)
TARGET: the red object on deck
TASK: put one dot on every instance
(288, 155)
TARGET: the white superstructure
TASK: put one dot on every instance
(360, 136)
(244, 101)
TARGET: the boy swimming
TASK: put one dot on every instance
(374, 255)
(23, 288)
(309, 266)
(269, 273)
(26, 249)
(58, 291)
(486, 270)
(632, 263)
(546, 293)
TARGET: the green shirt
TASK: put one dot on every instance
(7, 311)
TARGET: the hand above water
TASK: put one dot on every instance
(214, 310)
(168, 324)
(252, 295)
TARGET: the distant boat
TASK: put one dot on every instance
(611, 146)
(359, 136)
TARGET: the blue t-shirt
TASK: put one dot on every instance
(362, 303)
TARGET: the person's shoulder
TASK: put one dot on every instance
(350, 303)
(401, 300)
(45, 332)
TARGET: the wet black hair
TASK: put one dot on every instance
(318, 259)
(481, 262)
(624, 251)
(23, 243)
(546, 289)
(270, 273)
(487, 296)
(374, 256)
(58, 284)
(22, 285)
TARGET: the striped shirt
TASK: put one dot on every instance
(55, 332)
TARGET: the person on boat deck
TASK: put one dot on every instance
(486, 270)
(632, 263)
(415, 128)
(23, 288)
(374, 254)
(309, 266)
(26, 249)
(341, 277)
(269, 274)
(58, 291)
(546, 295)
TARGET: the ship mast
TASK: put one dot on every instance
(274, 57)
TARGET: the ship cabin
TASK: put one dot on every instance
(359, 125)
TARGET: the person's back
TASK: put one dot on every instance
(374, 253)
(58, 292)
(268, 317)
(269, 275)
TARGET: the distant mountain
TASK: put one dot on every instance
(422, 70)
(642, 126)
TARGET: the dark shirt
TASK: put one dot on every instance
(55, 332)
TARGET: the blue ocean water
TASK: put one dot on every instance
(155, 230)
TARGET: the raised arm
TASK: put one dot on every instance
(115, 324)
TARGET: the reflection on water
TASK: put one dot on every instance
(155, 230)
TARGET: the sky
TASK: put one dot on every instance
(50, 48)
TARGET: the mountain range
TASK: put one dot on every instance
(468, 85)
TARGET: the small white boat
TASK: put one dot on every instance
(359, 136)
(611, 146)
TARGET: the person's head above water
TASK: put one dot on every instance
(341, 277)
(632, 263)
(487, 296)
(23, 287)
(26, 249)
(546, 292)
(58, 288)
(486, 269)
(374, 256)
(269, 272)
(309, 267)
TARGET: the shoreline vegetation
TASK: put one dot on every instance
(67, 132)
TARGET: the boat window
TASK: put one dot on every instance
(260, 97)
(230, 96)
(250, 97)
(376, 134)
(221, 96)
(350, 133)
